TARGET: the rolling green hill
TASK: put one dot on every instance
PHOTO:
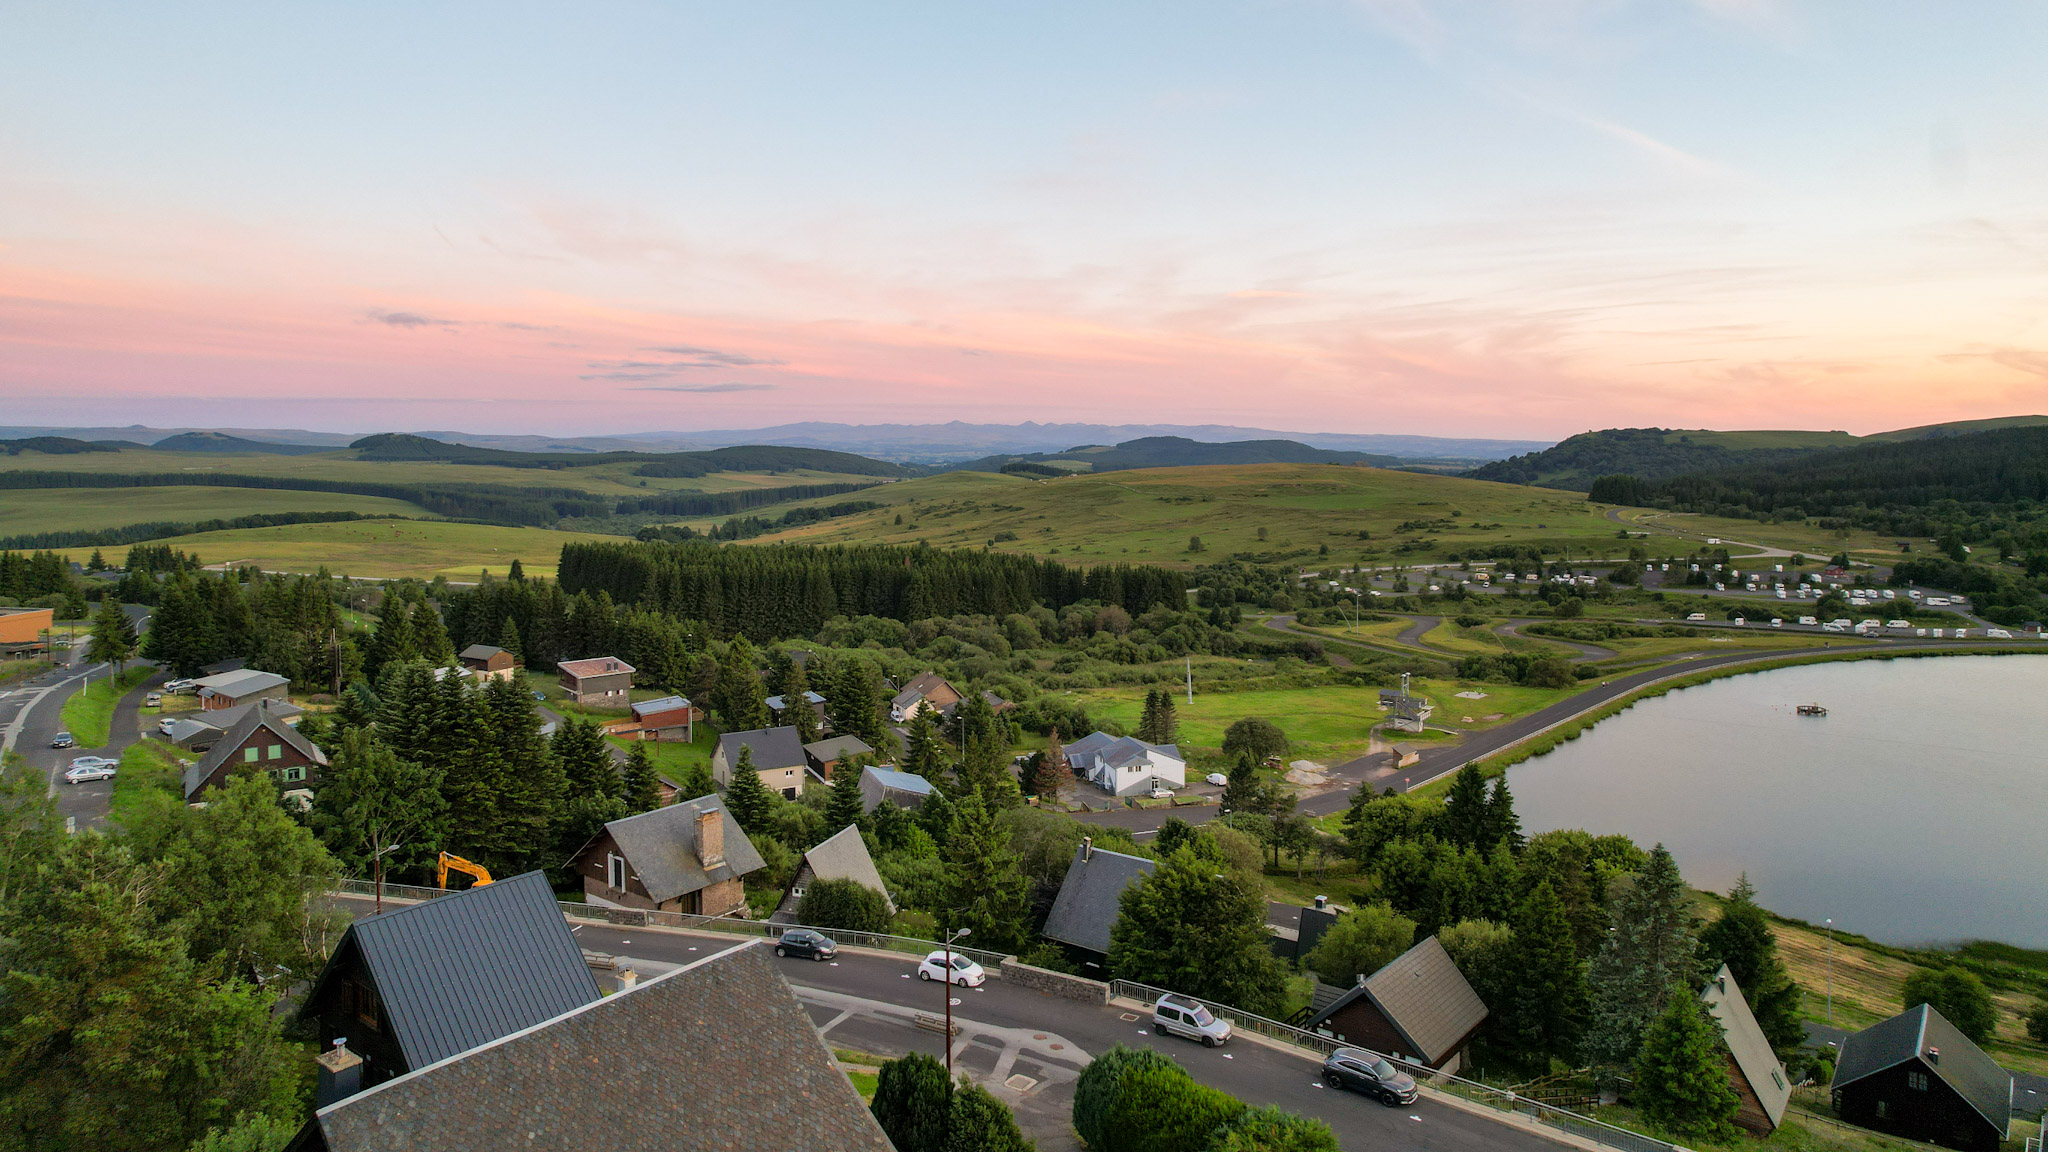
(394, 446)
(1169, 452)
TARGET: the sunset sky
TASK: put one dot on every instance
(1516, 218)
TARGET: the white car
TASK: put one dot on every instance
(178, 686)
(1697, 616)
(965, 971)
(1777, 622)
(1217, 778)
(1898, 624)
(1161, 792)
(80, 773)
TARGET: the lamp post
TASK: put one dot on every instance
(1831, 970)
(950, 937)
(377, 857)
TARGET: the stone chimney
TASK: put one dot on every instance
(1087, 847)
(710, 839)
(341, 1075)
(627, 978)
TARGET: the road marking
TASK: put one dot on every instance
(836, 1021)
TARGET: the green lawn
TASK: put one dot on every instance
(90, 713)
(422, 548)
(149, 775)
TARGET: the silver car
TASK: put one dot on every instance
(1181, 1016)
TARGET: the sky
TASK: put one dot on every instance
(1516, 218)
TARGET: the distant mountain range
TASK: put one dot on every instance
(950, 443)
(1169, 452)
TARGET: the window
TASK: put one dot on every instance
(276, 752)
(248, 755)
(1917, 1081)
(288, 775)
(361, 999)
(615, 871)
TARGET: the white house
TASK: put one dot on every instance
(1126, 765)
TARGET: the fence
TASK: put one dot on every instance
(636, 918)
(1496, 1098)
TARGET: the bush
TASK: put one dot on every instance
(1098, 1093)
(913, 1099)
(1162, 1109)
(1959, 996)
(1256, 735)
(1361, 943)
(1271, 1130)
(2037, 1023)
(982, 1123)
(847, 904)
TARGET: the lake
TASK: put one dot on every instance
(1914, 812)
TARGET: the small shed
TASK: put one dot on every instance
(670, 718)
(824, 756)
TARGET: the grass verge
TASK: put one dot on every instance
(89, 714)
(149, 776)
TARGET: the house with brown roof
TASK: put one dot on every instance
(927, 690)
(712, 1056)
(687, 858)
(488, 662)
(599, 682)
(1418, 1008)
(260, 742)
(1754, 1070)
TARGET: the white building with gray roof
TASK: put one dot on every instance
(1126, 765)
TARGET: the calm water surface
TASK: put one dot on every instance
(1916, 811)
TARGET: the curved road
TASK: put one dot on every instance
(1586, 652)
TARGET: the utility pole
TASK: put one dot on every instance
(950, 937)
(1831, 970)
(1191, 679)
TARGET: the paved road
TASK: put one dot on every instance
(1586, 652)
(867, 1002)
(31, 713)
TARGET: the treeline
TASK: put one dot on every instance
(289, 625)
(791, 590)
(53, 446)
(752, 526)
(161, 529)
(1651, 453)
(746, 458)
(724, 503)
(493, 503)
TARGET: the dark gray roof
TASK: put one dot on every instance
(226, 718)
(470, 968)
(838, 747)
(197, 772)
(1087, 905)
(772, 747)
(662, 848)
(241, 682)
(1747, 1043)
(1963, 1066)
(844, 856)
(1424, 996)
(716, 1055)
(480, 652)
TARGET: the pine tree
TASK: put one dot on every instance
(181, 629)
(508, 639)
(1502, 826)
(434, 645)
(639, 788)
(1464, 820)
(985, 888)
(1652, 950)
(535, 788)
(1681, 1076)
(1054, 773)
(793, 685)
(926, 754)
(844, 807)
(741, 702)
(98, 563)
(1165, 721)
(113, 637)
(1148, 720)
(586, 759)
(1543, 1020)
(516, 573)
(749, 800)
(857, 705)
(1742, 939)
(1241, 794)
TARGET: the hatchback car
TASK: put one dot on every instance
(1180, 1016)
(965, 971)
(1361, 1071)
(806, 944)
(63, 740)
(81, 773)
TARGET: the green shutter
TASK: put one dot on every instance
(248, 755)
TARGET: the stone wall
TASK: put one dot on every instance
(1055, 983)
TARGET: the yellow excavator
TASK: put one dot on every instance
(453, 863)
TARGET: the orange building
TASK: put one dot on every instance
(25, 629)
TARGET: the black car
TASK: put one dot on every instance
(63, 740)
(804, 942)
(1362, 1071)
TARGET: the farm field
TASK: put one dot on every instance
(1148, 515)
(382, 548)
(29, 510)
(1694, 529)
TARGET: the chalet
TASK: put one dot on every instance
(671, 718)
(488, 662)
(1916, 1076)
(824, 756)
(686, 858)
(997, 704)
(1418, 1008)
(1090, 898)
(714, 1055)
(880, 786)
(260, 743)
(812, 700)
(928, 690)
(1296, 930)
(419, 984)
(841, 856)
(1753, 1069)
(1125, 765)
(26, 631)
(777, 755)
(600, 682)
(232, 689)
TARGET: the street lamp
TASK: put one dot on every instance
(1831, 970)
(377, 858)
(950, 937)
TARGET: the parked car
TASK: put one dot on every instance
(1777, 622)
(1181, 1016)
(1161, 792)
(965, 971)
(1898, 623)
(175, 686)
(1809, 621)
(93, 762)
(1697, 617)
(80, 775)
(802, 942)
(1217, 778)
(1362, 1071)
(63, 740)
(153, 700)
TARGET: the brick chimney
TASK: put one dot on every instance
(710, 839)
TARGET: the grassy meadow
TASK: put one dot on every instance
(381, 548)
(28, 510)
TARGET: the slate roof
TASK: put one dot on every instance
(199, 770)
(844, 856)
(1424, 996)
(1963, 1066)
(662, 848)
(226, 718)
(239, 683)
(1116, 751)
(1746, 1042)
(716, 1055)
(469, 968)
(773, 748)
(186, 727)
(595, 666)
(775, 702)
(1087, 905)
(479, 652)
(920, 686)
(837, 748)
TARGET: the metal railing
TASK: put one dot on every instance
(729, 925)
(1499, 1099)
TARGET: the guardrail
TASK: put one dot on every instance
(1499, 1099)
(636, 918)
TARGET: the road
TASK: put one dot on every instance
(866, 1003)
(32, 713)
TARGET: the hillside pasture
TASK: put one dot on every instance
(29, 510)
(382, 548)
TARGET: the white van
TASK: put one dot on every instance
(1776, 622)
(1808, 621)
(1781, 593)
(1898, 624)
(1697, 616)
(1937, 601)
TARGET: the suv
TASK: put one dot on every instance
(1362, 1071)
(806, 943)
(1180, 1016)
